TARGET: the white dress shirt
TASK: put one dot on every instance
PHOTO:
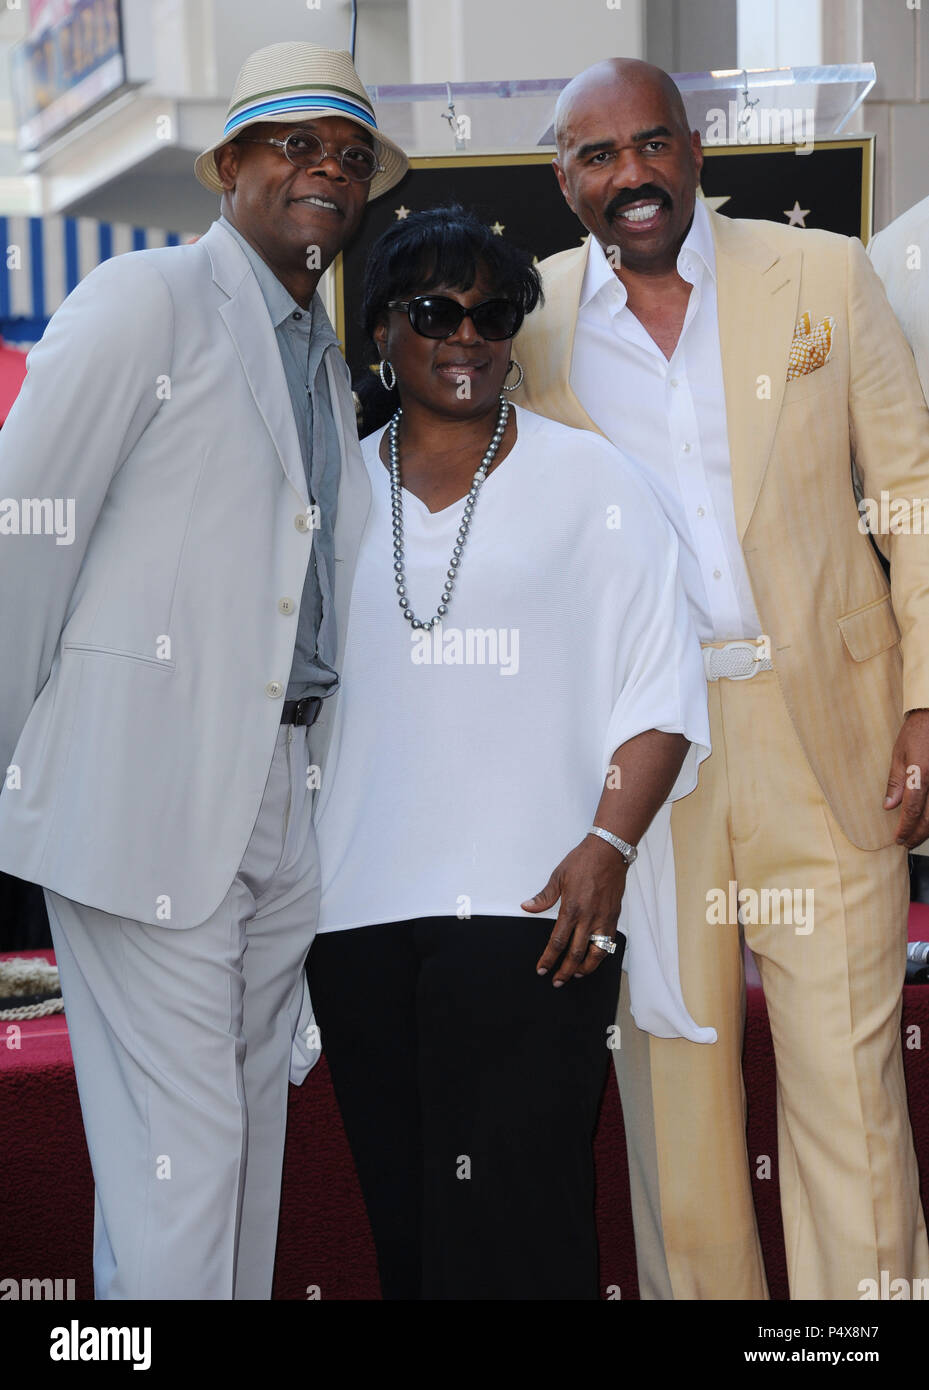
(669, 417)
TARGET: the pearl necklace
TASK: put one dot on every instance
(396, 506)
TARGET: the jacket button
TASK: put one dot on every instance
(285, 606)
(274, 690)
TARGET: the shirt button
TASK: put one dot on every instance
(285, 606)
(274, 690)
(701, 511)
(717, 574)
(296, 314)
(673, 381)
(302, 521)
(685, 448)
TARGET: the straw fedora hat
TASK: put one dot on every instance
(289, 82)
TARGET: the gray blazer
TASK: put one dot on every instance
(142, 666)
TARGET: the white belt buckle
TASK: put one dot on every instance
(750, 647)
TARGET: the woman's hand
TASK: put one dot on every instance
(590, 882)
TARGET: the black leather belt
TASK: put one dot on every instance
(304, 711)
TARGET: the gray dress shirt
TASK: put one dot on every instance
(303, 337)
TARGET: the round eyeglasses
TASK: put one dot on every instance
(437, 316)
(306, 151)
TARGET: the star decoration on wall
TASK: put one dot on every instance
(796, 215)
(714, 204)
(497, 228)
(401, 213)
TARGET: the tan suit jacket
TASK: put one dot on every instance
(850, 657)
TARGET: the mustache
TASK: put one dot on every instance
(626, 196)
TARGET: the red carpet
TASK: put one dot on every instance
(325, 1244)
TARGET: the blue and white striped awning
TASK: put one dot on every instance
(43, 258)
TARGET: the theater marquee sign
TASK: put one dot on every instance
(72, 60)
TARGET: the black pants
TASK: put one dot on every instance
(469, 1088)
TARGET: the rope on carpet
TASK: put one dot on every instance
(31, 979)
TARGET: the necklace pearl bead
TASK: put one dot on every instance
(396, 503)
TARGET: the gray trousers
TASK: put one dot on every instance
(182, 1046)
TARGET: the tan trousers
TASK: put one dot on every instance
(832, 976)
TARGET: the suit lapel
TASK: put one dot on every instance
(354, 489)
(546, 355)
(246, 316)
(757, 297)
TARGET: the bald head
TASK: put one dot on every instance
(615, 77)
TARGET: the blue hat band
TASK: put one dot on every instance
(265, 110)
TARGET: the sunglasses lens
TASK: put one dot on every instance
(497, 318)
(359, 163)
(435, 316)
(304, 149)
(307, 151)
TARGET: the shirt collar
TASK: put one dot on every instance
(281, 303)
(697, 254)
(699, 240)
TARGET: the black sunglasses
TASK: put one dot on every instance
(437, 316)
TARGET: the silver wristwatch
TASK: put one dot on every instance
(628, 852)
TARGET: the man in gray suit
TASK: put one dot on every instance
(164, 653)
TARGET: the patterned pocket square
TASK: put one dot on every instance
(811, 347)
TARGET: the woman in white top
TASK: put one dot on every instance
(520, 667)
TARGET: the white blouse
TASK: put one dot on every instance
(467, 761)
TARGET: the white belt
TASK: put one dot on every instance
(736, 661)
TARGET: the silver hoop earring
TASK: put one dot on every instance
(387, 385)
(519, 380)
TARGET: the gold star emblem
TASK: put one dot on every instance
(796, 215)
(714, 204)
(497, 228)
(401, 213)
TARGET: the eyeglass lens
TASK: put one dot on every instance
(434, 316)
(307, 150)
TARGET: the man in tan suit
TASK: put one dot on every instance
(753, 371)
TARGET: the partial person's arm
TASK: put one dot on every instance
(659, 710)
(890, 434)
(590, 881)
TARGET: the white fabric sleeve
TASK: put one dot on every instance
(660, 684)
